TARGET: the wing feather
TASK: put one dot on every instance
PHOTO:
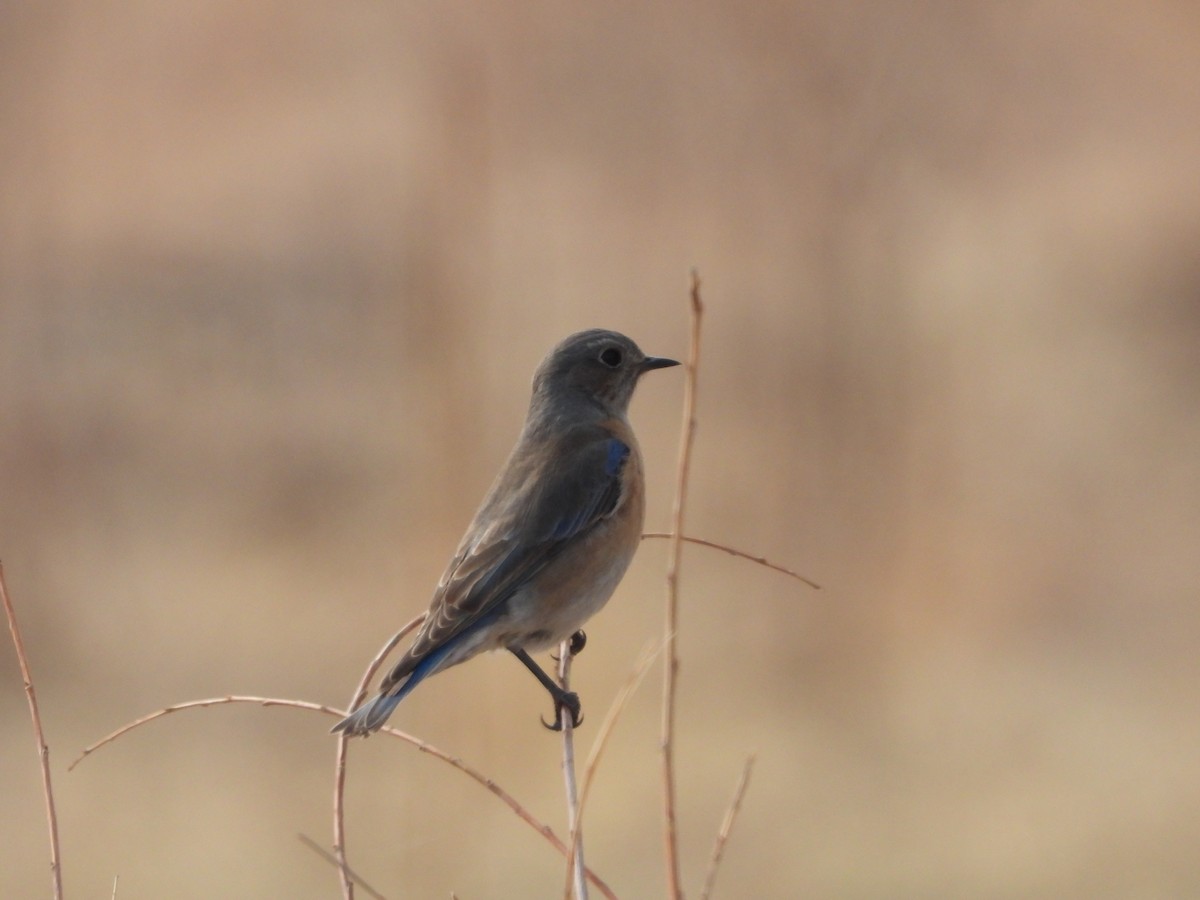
(534, 510)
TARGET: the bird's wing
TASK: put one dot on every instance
(534, 515)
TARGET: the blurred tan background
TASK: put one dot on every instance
(273, 281)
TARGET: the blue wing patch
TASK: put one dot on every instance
(601, 497)
(618, 452)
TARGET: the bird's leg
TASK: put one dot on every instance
(568, 700)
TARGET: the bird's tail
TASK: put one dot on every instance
(370, 716)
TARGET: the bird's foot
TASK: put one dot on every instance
(569, 701)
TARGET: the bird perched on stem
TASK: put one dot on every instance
(554, 535)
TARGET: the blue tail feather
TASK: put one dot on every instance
(371, 715)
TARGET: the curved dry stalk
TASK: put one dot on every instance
(339, 764)
(606, 728)
(511, 802)
(39, 736)
(199, 704)
(741, 554)
(671, 659)
(576, 883)
(735, 806)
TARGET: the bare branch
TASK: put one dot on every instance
(762, 561)
(340, 864)
(606, 728)
(39, 736)
(339, 764)
(671, 659)
(540, 827)
(576, 883)
(726, 827)
(199, 704)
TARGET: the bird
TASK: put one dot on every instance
(553, 536)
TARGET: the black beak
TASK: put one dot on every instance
(658, 362)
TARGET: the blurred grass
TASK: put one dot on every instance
(272, 284)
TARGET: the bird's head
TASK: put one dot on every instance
(597, 368)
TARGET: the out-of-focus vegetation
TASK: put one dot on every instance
(274, 277)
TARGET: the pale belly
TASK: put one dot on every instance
(541, 619)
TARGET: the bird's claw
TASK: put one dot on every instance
(570, 702)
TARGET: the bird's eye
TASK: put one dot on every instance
(611, 357)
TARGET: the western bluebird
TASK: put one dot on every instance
(554, 535)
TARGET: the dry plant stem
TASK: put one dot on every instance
(606, 728)
(200, 704)
(43, 748)
(540, 827)
(577, 884)
(670, 658)
(331, 858)
(339, 765)
(742, 554)
(726, 827)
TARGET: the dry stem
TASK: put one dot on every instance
(671, 660)
(540, 827)
(340, 864)
(726, 827)
(577, 884)
(606, 728)
(339, 765)
(742, 554)
(39, 736)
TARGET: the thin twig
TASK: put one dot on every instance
(114, 892)
(762, 561)
(670, 658)
(200, 704)
(727, 826)
(39, 736)
(606, 728)
(576, 883)
(340, 864)
(540, 827)
(545, 830)
(339, 764)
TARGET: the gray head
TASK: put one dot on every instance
(598, 366)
